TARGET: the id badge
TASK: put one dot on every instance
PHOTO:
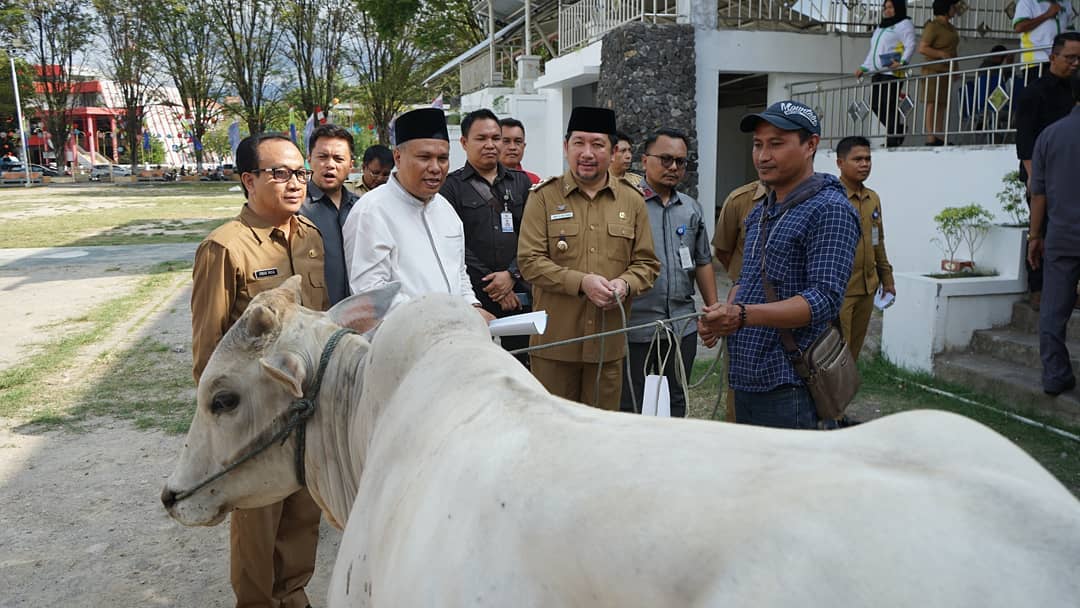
(507, 221)
(875, 236)
(685, 260)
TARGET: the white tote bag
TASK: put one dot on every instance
(656, 400)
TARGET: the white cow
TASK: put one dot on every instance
(463, 483)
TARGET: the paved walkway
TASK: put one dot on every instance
(138, 256)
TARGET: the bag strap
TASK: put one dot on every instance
(786, 337)
(483, 189)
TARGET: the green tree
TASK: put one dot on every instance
(249, 36)
(314, 32)
(128, 59)
(156, 155)
(25, 73)
(57, 32)
(182, 36)
(396, 44)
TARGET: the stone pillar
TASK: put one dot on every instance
(649, 77)
(528, 72)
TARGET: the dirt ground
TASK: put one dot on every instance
(83, 525)
(80, 519)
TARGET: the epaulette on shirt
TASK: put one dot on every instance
(542, 182)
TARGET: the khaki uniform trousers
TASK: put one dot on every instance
(576, 380)
(272, 552)
(855, 320)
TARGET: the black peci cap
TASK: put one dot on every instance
(425, 123)
(592, 120)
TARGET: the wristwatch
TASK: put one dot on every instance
(1034, 237)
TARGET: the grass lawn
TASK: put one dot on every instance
(114, 215)
(887, 389)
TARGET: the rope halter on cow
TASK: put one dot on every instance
(296, 419)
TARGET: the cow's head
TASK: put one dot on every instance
(260, 367)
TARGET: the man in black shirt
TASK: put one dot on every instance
(1041, 103)
(328, 201)
(490, 199)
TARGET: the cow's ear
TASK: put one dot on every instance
(260, 320)
(291, 288)
(288, 370)
(363, 311)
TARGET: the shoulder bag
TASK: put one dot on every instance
(827, 367)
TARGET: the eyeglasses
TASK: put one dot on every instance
(1071, 58)
(667, 161)
(282, 175)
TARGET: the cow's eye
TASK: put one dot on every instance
(224, 402)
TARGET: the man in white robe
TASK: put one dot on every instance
(406, 231)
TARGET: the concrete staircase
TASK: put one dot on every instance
(1004, 363)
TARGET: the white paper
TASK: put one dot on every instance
(528, 324)
(883, 299)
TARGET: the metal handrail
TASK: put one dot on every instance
(961, 105)
(912, 66)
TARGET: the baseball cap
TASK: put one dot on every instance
(786, 115)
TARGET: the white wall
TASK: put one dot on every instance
(538, 112)
(916, 183)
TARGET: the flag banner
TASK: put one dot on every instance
(234, 136)
(309, 126)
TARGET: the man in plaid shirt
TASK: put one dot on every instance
(810, 231)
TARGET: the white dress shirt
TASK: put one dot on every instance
(393, 236)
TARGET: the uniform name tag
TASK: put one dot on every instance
(507, 221)
(875, 236)
(562, 216)
(685, 260)
(268, 272)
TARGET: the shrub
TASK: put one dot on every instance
(956, 225)
(1012, 197)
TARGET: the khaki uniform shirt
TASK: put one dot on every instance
(730, 230)
(242, 258)
(360, 189)
(636, 179)
(608, 235)
(872, 267)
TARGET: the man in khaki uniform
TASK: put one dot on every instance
(621, 159)
(728, 241)
(585, 244)
(272, 548)
(872, 267)
(375, 169)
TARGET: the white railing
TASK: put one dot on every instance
(979, 17)
(973, 102)
(476, 73)
(586, 21)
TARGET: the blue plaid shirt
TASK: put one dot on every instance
(810, 252)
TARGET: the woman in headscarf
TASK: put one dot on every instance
(939, 41)
(891, 47)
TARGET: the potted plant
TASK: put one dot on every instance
(961, 225)
(1012, 199)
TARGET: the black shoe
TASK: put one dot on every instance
(846, 421)
(1070, 385)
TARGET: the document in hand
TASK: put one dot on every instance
(883, 299)
(528, 324)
